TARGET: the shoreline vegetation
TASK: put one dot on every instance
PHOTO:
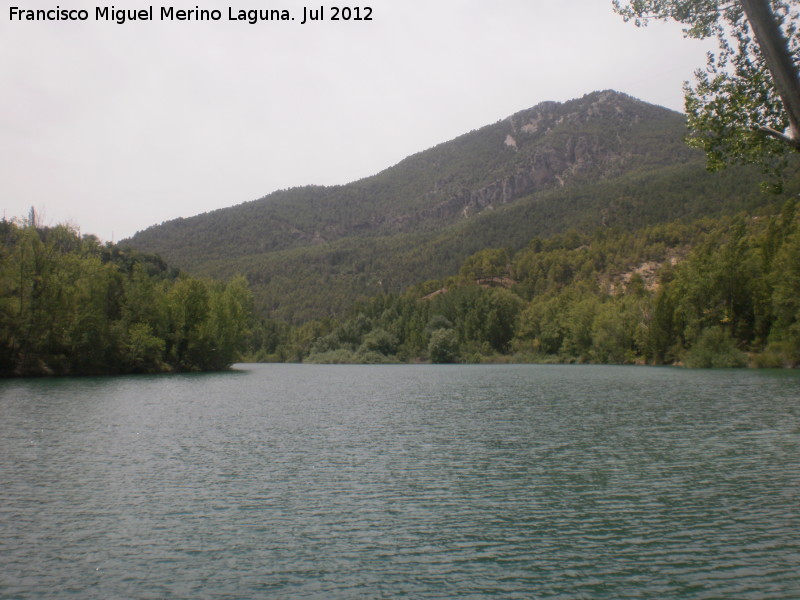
(721, 292)
(70, 305)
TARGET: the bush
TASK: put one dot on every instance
(714, 348)
(379, 341)
(777, 355)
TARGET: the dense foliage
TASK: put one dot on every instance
(723, 293)
(71, 306)
(745, 105)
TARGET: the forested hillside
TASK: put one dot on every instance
(602, 161)
(578, 232)
(72, 306)
(712, 293)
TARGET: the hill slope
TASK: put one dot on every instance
(602, 160)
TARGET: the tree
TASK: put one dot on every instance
(443, 347)
(745, 106)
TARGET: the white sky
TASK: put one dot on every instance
(113, 128)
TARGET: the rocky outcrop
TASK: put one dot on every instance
(548, 147)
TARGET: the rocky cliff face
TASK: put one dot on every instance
(554, 145)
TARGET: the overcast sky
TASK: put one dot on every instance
(113, 128)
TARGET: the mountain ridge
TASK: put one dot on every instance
(436, 184)
(600, 160)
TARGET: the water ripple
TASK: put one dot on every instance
(291, 481)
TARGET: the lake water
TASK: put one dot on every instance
(329, 482)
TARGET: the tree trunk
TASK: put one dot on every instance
(780, 63)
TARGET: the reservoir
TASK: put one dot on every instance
(406, 481)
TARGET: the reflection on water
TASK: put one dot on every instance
(293, 481)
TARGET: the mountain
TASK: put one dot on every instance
(603, 160)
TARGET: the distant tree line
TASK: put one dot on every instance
(70, 305)
(713, 293)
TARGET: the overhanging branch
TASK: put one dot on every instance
(778, 135)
